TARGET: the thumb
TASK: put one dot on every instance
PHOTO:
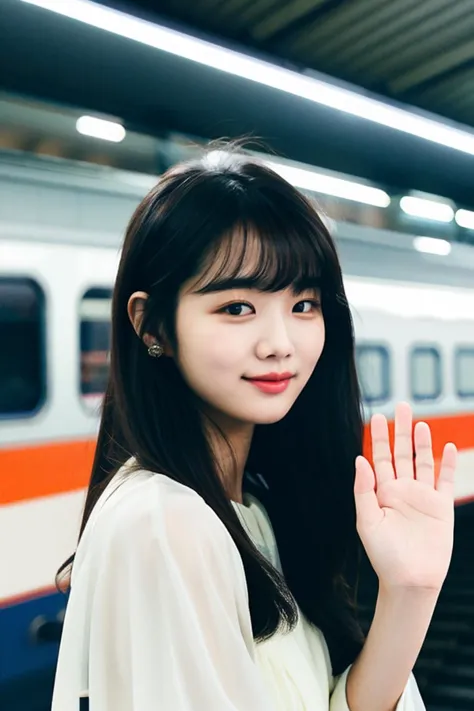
(366, 502)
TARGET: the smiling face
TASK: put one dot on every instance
(231, 329)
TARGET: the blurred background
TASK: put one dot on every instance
(366, 105)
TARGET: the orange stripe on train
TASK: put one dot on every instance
(447, 428)
(31, 472)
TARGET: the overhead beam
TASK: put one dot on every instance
(433, 68)
(286, 15)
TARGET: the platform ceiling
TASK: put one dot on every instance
(418, 52)
(406, 50)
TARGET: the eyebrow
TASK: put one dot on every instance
(226, 284)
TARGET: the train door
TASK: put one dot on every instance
(54, 321)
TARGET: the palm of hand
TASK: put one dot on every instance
(404, 518)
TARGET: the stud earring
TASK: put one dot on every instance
(155, 350)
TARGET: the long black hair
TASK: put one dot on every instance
(307, 458)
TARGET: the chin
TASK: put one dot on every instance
(268, 420)
(272, 415)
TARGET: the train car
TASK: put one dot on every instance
(61, 226)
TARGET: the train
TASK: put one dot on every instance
(61, 227)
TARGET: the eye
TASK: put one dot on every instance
(235, 309)
(314, 305)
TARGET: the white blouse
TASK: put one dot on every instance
(158, 616)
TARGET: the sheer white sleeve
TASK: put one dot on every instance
(409, 701)
(170, 627)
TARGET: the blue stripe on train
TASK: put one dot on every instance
(20, 654)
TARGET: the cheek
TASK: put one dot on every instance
(202, 349)
(312, 346)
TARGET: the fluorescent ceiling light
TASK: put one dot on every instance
(317, 182)
(432, 245)
(465, 218)
(262, 72)
(98, 128)
(427, 209)
(327, 185)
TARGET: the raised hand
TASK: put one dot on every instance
(405, 517)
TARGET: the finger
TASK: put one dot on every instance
(367, 505)
(445, 483)
(381, 452)
(424, 454)
(403, 449)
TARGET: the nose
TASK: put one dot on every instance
(275, 341)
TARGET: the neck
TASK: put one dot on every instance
(239, 437)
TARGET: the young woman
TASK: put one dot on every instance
(227, 495)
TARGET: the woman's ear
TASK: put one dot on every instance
(136, 310)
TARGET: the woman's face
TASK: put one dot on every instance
(229, 336)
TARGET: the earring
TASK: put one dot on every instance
(155, 350)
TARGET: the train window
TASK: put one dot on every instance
(373, 366)
(465, 372)
(425, 373)
(94, 315)
(22, 353)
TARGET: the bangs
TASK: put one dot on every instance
(266, 255)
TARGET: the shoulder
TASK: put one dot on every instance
(152, 512)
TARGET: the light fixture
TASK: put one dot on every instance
(99, 128)
(257, 70)
(465, 218)
(328, 185)
(316, 182)
(426, 209)
(432, 245)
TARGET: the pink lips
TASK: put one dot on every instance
(272, 383)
